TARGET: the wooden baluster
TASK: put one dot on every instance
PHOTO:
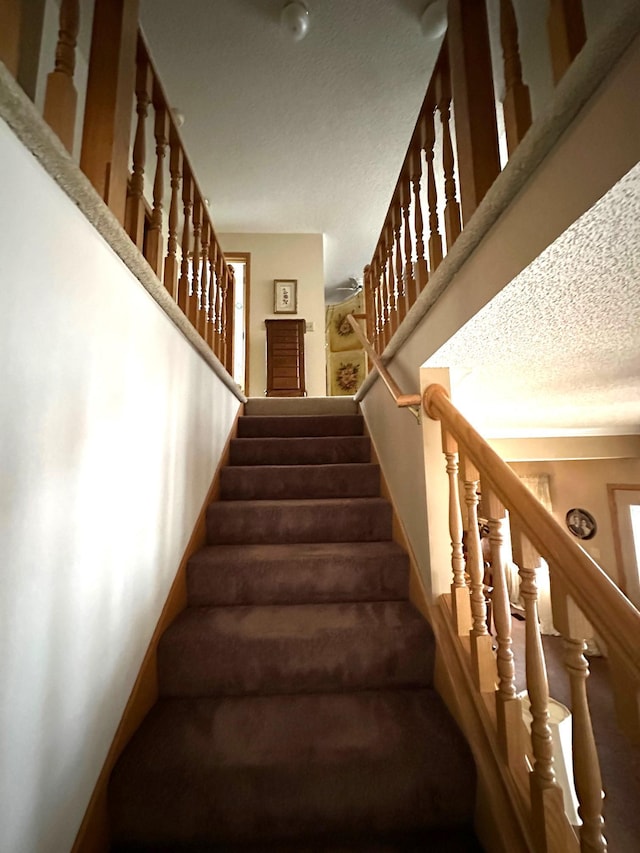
(229, 318)
(187, 203)
(369, 307)
(586, 767)
(421, 273)
(567, 34)
(205, 305)
(460, 600)
(482, 659)
(219, 306)
(107, 115)
(469, 59)
(435, 240)
(223, 316)
(135, 209)
(61, 98)
(547, 807)
(385, 293)
(213, 294)
(517, 103)
(409, 280)
(508, 708)
(11, 22)
(196, 287)
(401, 299)
(391, 280)
(452, 208)
(377, 301)
(155, 248)
(171, 266)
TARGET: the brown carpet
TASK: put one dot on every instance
(297, 708)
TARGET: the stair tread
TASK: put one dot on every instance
(264, 426)
(325, 480)
(295, 647)
(297, 573)
(367, 761)
(296, 450)
(299, 552)
(299, 520)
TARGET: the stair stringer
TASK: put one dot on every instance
(501, 819)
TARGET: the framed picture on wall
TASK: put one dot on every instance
(285, 296)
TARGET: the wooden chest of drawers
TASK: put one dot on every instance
(285, 358)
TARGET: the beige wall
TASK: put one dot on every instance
(583, 483)
(298, 256)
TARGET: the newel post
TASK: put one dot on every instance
(110, 88)
(473, 101)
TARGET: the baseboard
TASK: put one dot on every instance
(93, 835)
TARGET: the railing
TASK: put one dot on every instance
(579, 587)
(403, 401)
(453, 157)
(576, 582)
(168, 220)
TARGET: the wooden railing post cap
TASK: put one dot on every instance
(431, 391)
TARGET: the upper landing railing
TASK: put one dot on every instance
(155, 196)
(454, 153)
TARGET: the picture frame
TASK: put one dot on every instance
(581, 523)
(285, 296)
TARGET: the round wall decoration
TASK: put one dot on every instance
(581, 523)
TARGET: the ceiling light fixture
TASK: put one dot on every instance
(434, 19)
(294, 19)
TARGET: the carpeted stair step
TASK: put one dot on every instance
(281, 768)
(323, 450)
(278, 482)
(297, 574)
(281, 522)
(448, 839)
(256, 406)
(286, 426)
(305, 648)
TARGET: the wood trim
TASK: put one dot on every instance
(613, 512)
(245, 257)
(93, 835)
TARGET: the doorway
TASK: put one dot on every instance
(624, 501)
(241, 263)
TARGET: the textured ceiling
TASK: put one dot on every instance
(566, 358)
(296, 137)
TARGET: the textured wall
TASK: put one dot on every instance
(111, 427)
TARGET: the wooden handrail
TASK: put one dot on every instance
(613, 616)
(403, 401)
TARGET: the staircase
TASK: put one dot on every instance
(297, 709)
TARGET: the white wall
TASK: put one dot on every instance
(111, 427)
(297, 256)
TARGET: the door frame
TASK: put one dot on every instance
(245, 258)
(612, 488)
